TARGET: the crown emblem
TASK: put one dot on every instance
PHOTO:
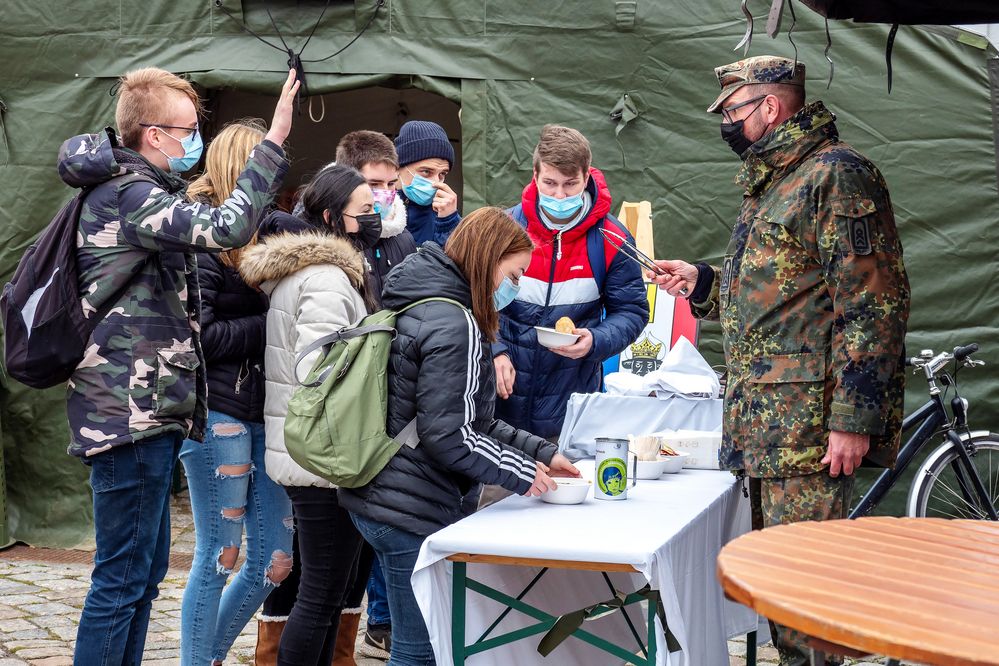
(646, 349)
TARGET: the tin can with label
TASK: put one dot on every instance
(611, 482)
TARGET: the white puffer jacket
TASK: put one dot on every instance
(313, 281)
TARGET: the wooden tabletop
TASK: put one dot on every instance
(920, 589)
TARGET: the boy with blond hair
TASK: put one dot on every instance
(140, 388)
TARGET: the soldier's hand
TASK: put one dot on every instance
(678, 279)
(281, 124)
(846, 451)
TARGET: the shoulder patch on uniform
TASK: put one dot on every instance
(860, 235)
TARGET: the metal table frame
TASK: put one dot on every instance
(462, 583)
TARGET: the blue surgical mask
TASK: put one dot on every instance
(560, 208)
(420, 191)
(192, 146)
(505, 294)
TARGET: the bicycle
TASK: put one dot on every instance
(960, 478)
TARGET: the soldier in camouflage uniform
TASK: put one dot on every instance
(141, 389)
(813, 301)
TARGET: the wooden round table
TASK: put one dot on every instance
(920, 589)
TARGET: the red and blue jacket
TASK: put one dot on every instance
(575, 274)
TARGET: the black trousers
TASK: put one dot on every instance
(329, 546)
(362, 572)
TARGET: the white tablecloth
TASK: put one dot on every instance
(670, 530)
(592, 415)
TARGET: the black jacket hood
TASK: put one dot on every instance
(428, 272)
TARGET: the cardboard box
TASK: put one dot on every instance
(701, 445)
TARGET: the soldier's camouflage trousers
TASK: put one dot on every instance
(792, 500)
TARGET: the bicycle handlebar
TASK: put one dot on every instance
(961, 353)
(932, 364)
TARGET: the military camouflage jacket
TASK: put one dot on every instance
(143, 374)
(813, 301)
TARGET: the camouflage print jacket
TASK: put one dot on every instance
(144, 373)
(813, 301)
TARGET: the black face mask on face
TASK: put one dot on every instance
(736, 140)
(369, 230)
(733, 134)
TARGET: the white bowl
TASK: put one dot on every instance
(674, 463)
(650, 469)
(549, 337)
(569, 491)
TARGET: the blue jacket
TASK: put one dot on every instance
(575, 274)
(423, 223)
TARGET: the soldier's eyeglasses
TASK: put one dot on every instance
(727, 110)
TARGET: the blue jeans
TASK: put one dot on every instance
(397, 551)
(378, 610)
(131, 486)
(229, 489)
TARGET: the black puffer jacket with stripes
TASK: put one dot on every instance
(441, 373)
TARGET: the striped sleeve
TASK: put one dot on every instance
(450, 361)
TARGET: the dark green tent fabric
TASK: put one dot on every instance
(513, 67)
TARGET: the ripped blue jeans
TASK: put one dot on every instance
(229, 490)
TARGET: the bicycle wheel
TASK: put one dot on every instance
(936, 490)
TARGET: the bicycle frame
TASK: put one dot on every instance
(929, 418)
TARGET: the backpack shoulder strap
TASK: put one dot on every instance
(428, 300)
(342, 335)
(596, 251)
(112, 300)
(517, 214)
(350, 333)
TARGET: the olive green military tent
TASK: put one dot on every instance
(635, 76)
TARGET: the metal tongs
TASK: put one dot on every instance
(631, 251)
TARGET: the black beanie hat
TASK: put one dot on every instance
(421, 140)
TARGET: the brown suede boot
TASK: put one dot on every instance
(346, 637)
(268, 639)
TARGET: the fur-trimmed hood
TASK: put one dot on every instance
(395, 223)
(286, 253)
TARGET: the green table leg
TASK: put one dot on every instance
(458, 613)
(751, 649)
(652, 645)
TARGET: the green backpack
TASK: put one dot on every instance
(335, 426)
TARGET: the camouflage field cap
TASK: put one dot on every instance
(758, 69)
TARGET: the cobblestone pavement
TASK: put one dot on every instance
(40, 604)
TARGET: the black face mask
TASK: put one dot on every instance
(732, 132)
(369, 230)
(736, 140)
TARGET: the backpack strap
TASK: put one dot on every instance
(517, 213)
(105, 308)
(428, 300)
(349, 333)
(408, 435)
(342, 335)
(597, 253)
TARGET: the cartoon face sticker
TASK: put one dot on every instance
(612, 477)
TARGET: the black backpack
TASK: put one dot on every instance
(45, 332)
